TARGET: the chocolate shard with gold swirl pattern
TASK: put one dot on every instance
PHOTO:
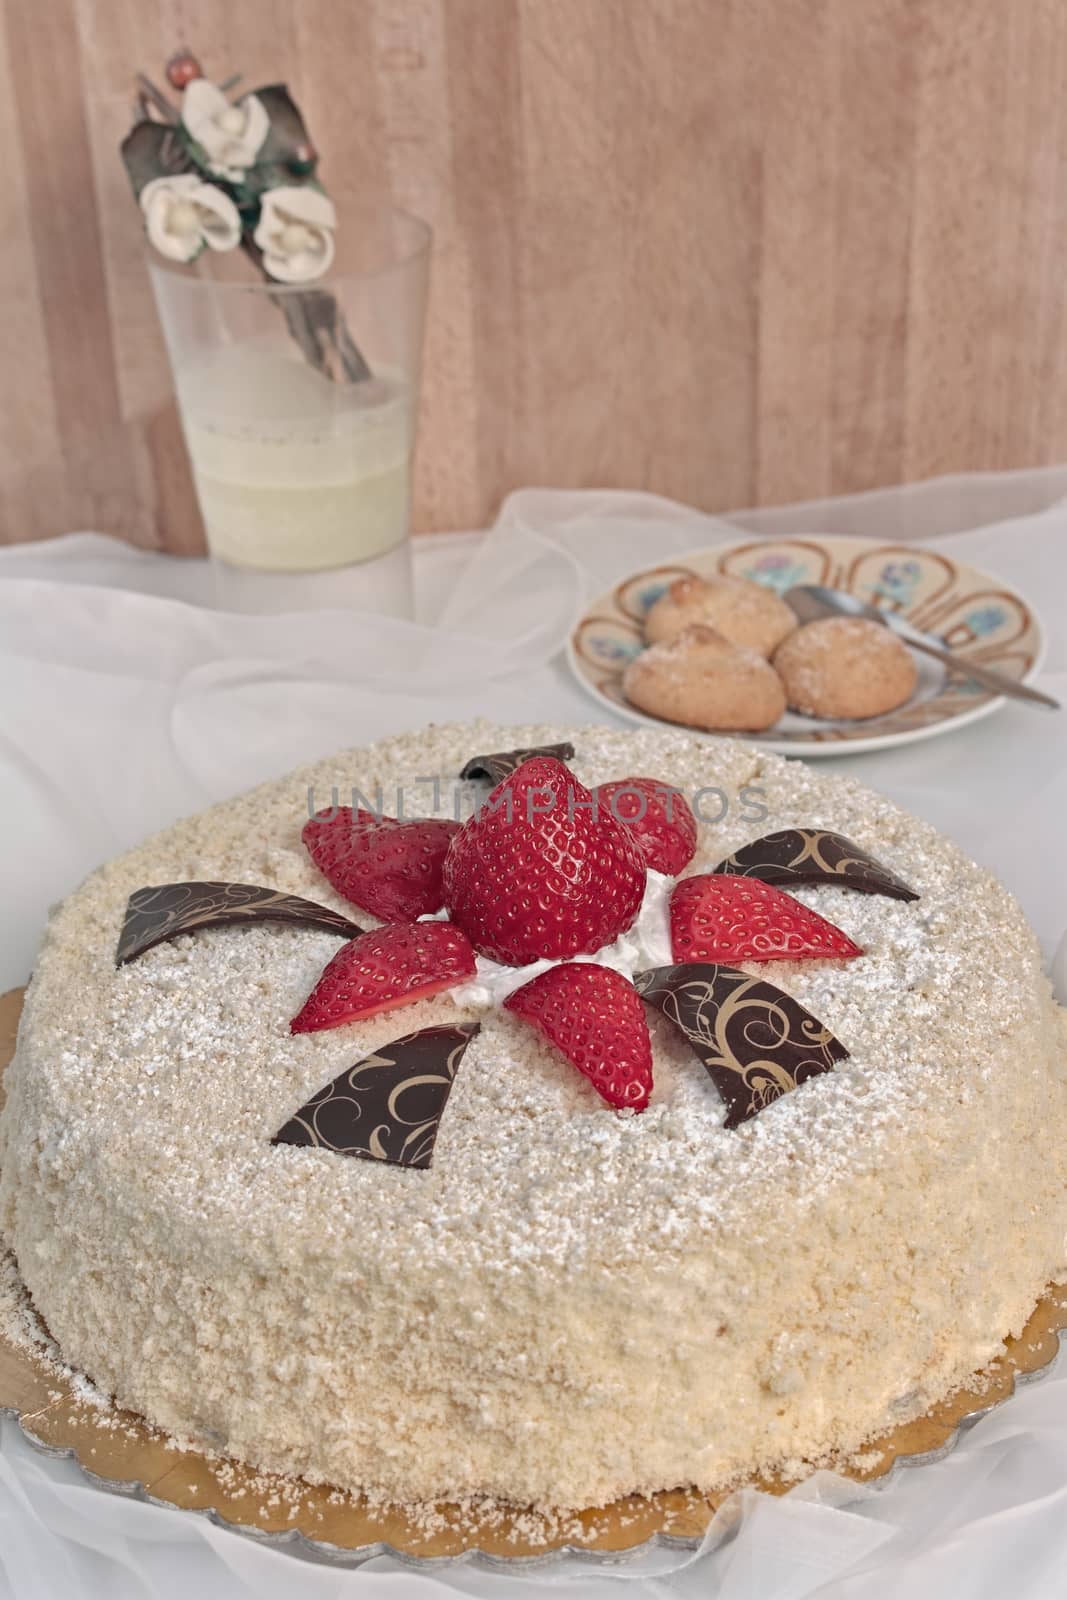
(388, 1106)
(755, 1041)
(158, 913)
(502, 763)
(815, 855)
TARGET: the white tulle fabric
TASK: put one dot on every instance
(125, 701)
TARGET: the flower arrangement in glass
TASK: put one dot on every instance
(300, 437)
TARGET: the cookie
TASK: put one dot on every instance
(745, 613)
(705, 681)
(845, 667)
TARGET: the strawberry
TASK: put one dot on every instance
(389, 966)
(593, 1014)
(541, 870)
(731, 919)
(658, 817)
(390, 868)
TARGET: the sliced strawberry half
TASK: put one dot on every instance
(594, 1015)
(657, 816)
(730, 919)
(389, 867)
(390, 966)
(542, 870)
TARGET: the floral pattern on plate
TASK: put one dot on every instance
(967, 609)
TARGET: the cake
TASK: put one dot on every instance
(557, 1300)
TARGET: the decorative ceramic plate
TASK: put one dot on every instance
(972, 613)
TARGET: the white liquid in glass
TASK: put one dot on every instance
(295, 473)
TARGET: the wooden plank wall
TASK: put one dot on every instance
(735, 251)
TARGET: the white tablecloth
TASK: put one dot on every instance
(125, 702)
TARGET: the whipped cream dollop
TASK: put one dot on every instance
(645, 943)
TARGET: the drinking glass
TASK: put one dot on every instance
(298, 404)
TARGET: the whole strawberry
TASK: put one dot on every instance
(541, 870)
(659, 818)
(389, 867)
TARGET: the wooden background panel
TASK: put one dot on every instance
(735, 251)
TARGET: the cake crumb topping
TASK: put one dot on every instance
(571, 1303)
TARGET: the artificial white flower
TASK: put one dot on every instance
(295, 233)
(230, 134)
(183, 214)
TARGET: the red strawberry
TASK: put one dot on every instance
(390, 868)
(728, 919)
(657, 816)
(389, 966)
(593, 1014)
(541, 870)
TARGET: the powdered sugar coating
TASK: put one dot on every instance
(703, 680)
(845, 667)
(571, 1303)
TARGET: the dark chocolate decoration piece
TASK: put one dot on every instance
(388, 1106)
(156, 914)
(813, 855)
(502, 763)
(755, 1041)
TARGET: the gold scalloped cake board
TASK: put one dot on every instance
(125, 1452)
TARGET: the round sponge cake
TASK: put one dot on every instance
(571, 1303)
